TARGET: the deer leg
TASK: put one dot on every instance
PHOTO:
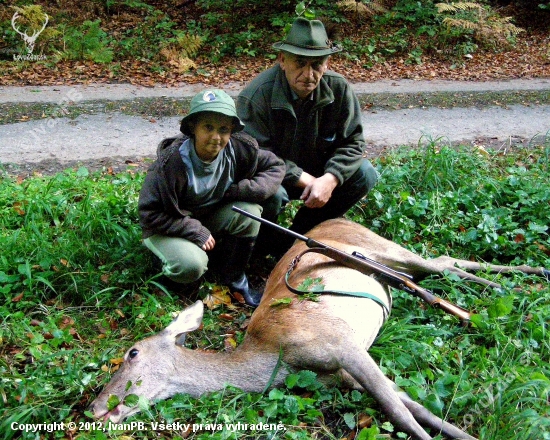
(428, 419)
(460, 268)
(423, 416)
(358, 363)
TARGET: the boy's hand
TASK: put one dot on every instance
(209, 245)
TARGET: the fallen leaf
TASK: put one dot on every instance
(116, 361)
(17, 298)
(238, 297)
(229, 343)
(18, 208)
(218, 296)
(66, 321)
(364, 421)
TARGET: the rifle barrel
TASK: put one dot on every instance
(391, 277)
(273, 225)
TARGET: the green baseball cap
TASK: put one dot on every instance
(307, 38)
(212, 100)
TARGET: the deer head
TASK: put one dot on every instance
(28, 39)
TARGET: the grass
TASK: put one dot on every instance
(77, 288)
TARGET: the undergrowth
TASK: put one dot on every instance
(165, 37)
(77, 289)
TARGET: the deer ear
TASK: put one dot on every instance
(188, 320)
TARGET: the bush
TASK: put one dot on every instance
(86, 42)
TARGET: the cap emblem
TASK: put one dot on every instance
(209, 96)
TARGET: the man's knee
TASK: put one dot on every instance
(364, 179)
(371, 175)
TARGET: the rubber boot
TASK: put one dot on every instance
(236, 253)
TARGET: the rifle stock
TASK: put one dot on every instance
(358, 262)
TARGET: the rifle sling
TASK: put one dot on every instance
(295, 262)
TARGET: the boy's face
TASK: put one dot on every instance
(212, 132)
(303, 73)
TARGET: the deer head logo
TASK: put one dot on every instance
(28, 39)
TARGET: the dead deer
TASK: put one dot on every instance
(330, 336)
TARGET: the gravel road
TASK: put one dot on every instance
(108, 138)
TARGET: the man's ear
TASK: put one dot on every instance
(281, 59)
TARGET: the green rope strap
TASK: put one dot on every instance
(295, 262)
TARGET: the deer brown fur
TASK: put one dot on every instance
(330, 336)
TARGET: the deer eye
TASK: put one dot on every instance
(133, 353)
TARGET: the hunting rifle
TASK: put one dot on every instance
(366, 265)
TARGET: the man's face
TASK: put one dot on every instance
(303, 73)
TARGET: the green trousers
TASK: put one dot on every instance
(185, 262)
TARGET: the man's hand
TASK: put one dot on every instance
(317, 191)
(209, 245)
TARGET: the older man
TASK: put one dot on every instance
(310, 117)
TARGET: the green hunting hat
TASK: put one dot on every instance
(307, 38)
(216, 101)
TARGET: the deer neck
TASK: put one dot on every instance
(201, 372)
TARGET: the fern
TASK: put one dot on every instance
(482, 22)
(189, 44)
(363, 8)
(179, 54)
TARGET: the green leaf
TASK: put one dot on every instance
(368, 433)
(143, 403)
(83, 172)
(303, 379)
(349, 418)
(501, 307)
(276, 394)
(291, 405)
(291, 380)
(281, 302)
(434, 404)
(112, 402)
(541, 229)
(131, 400)
(309, 14)
(270, 410)
(312, 285)
(479, 321)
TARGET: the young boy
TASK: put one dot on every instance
(186, 199)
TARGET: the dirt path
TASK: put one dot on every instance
(99, 137)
